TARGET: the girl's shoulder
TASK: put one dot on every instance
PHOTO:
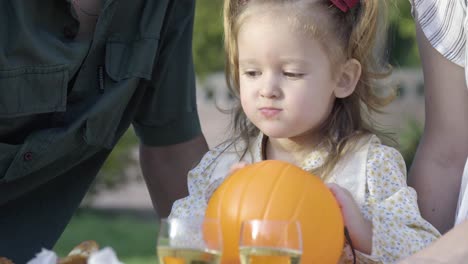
(229, 147)
(377, 148)
(381, 155)
(370, 150)
(229, 151)
(215, 166)
(216, 153)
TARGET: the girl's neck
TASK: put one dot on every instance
(289, 150)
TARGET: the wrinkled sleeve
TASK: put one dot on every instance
(200, 182)
(444, 24)
(167, 113)
(398, 228)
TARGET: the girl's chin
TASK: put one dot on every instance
(275, 130)
(276, 134)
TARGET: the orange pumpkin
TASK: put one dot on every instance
(276, 190)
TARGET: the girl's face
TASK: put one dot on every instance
(286, 83)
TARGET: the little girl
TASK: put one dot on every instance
(303, 72)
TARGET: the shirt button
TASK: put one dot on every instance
(28, 156)
(69, 32)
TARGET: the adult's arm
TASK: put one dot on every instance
(438, 165)
(450, 248)
(165, 171)
(167, 122)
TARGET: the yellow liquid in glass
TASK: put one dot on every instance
(266, 255)
(169, 255)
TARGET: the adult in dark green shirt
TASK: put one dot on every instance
(74, 75)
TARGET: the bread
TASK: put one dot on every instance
(4, 260)
(80, 253)
(75, 259)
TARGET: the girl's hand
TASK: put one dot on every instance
(359, 228)
(237, 166)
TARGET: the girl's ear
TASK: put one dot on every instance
(348, 78)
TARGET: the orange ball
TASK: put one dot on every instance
(276, 190)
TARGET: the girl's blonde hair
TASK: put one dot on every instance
(344, 35)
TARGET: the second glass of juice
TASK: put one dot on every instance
(194, 240)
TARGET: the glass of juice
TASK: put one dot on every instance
(194, 240)
(270, 242)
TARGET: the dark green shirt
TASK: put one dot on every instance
(62, 99)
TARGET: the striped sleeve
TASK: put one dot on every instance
(445, 25)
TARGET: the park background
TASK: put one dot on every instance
(118, 213)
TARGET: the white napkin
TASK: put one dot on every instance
(104, 256)
(44, 257)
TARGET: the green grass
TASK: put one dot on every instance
(132, 238)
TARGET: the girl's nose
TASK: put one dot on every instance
(271, 88)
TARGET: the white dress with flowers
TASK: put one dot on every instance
(374, 174)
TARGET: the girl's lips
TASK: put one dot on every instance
(269, 111)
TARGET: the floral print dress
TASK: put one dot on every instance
(375, 175)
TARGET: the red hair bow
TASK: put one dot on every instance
(345, 5)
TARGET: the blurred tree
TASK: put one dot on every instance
(120, 167)
(208, 51)
(403, 50)
(114, 171)
(409, 140)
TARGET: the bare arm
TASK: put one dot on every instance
(451, 248)
(165, 171)
(438, 164)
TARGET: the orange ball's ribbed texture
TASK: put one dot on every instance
(277, 190)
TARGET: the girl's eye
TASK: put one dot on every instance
(252, 73)
(293, 75)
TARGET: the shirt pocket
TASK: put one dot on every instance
(126, 62)
(127, 59)
(25, 93)
(35, 90)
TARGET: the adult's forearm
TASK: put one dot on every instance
(165, 171)
(437, 181)
(438, 165)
